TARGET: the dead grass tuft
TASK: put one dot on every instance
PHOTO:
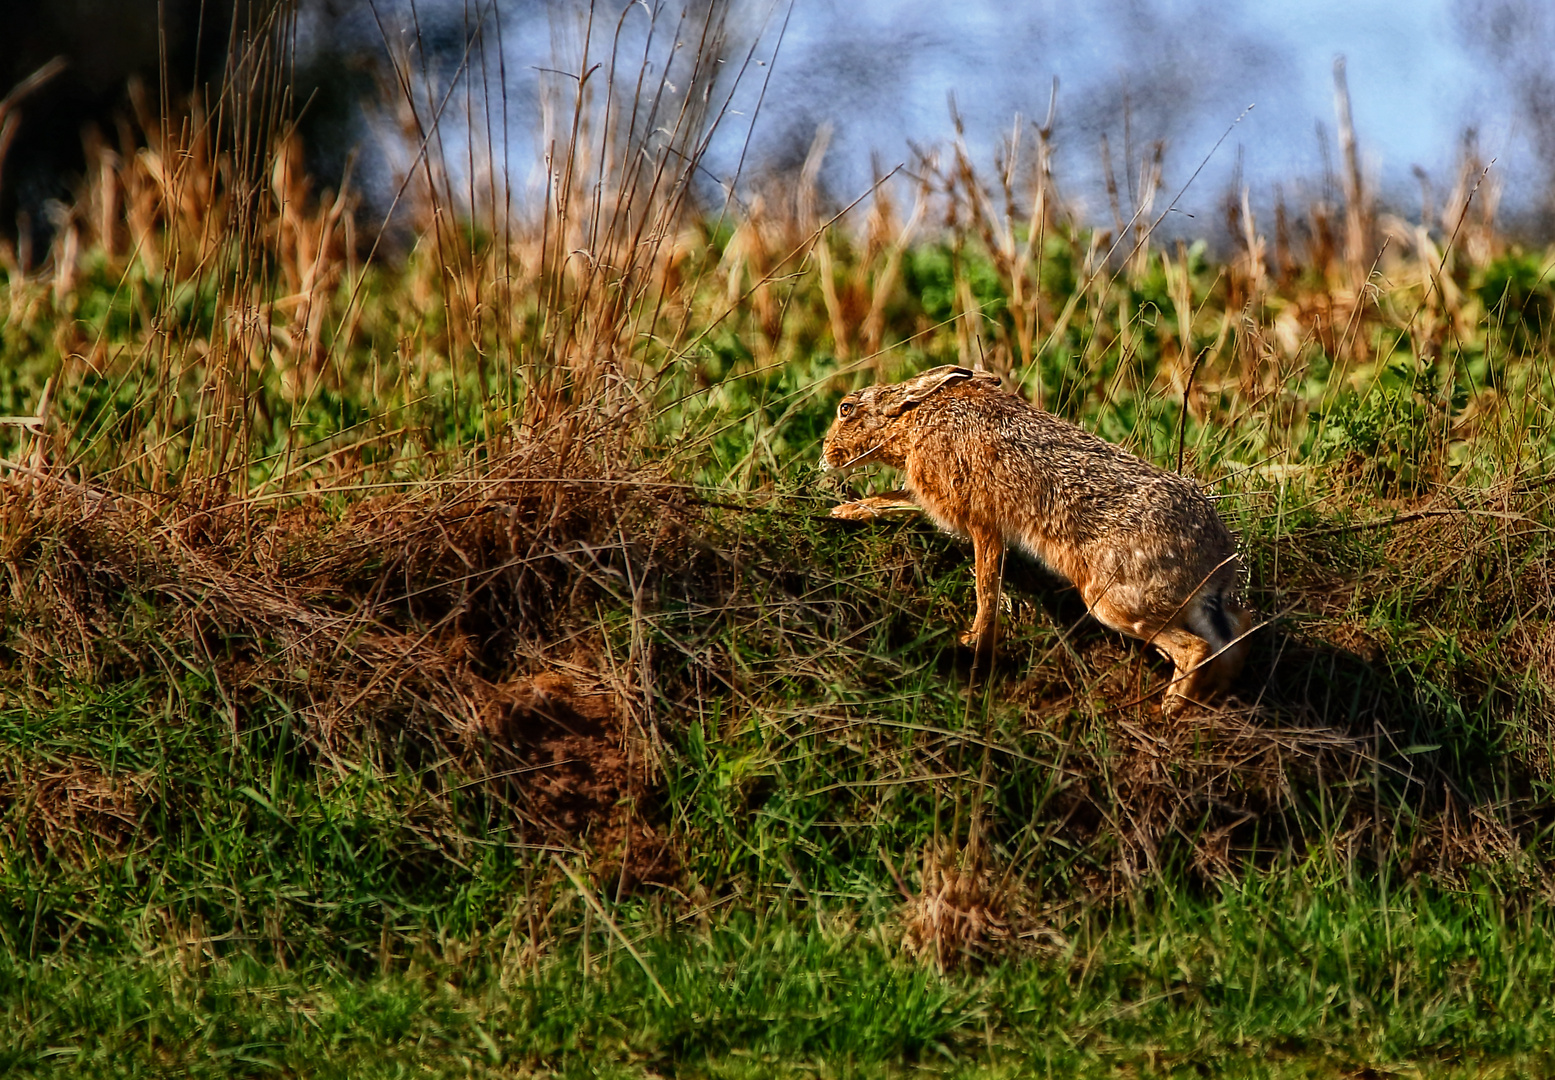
(67, 809)
(1212, 782)
(957, 914)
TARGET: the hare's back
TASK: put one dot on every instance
(997, 441)
(1114, 488)
(1057, 480)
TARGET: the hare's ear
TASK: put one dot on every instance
(915, 391)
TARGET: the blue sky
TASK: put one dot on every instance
(1188, 69)
(880, 72)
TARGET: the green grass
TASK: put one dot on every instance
(259, 814)
(1300, 972)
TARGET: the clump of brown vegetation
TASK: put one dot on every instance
(956, 914)
(68, 809)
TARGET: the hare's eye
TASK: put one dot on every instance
(845, 410)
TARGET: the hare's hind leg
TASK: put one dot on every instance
(1233, 625)
(1187, 650)
(1194, 679)
(1225, 624)
(1209, 649)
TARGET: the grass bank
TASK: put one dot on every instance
(446, 662)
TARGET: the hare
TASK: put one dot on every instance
(1145, 548)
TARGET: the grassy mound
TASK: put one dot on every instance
(447, 663)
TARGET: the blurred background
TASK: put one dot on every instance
(1137, 94)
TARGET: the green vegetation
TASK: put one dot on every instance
(1280, 975)
(446, 665)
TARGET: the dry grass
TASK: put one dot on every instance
(416, 611)
(955, 914)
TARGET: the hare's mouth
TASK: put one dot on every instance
(857, 459)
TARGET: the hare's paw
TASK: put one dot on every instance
(982, 643)
(1174, 705)
(854, 511)
(876, 506)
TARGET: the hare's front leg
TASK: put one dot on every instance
(988, 555)
(891, 504)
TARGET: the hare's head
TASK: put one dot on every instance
(870, 426)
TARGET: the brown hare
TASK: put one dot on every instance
(1144, 546)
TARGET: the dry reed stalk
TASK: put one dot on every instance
(883, 285)
(1357, 207)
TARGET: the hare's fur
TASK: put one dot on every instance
(1145, 548)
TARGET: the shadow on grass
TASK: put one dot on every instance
(1320, 746)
